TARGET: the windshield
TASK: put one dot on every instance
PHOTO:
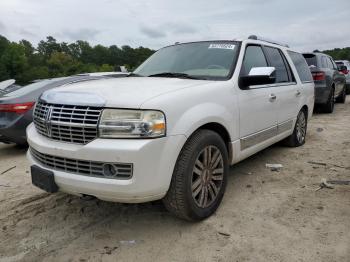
(201, 60)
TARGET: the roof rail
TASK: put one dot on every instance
(254, 37)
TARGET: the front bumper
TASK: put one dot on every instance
(153, 163)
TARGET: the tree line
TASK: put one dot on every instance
(339, 53)
(50, 58)
(25, 63)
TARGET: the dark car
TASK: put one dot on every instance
(329, 82)
(16, 107)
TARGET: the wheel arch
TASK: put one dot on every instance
(221, 130)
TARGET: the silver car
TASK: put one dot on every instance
(346, 72)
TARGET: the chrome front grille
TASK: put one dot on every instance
(67, 123)
(84, 167)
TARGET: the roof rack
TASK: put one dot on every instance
(254, 37)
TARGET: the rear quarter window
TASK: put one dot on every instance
(301, 66)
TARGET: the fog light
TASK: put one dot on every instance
(109, 170)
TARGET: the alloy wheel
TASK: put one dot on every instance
(301, 127)
(207, 176)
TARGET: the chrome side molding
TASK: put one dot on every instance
(261, 136)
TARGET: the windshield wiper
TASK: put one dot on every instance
(170, 74)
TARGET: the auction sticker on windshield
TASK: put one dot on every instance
(222, 46)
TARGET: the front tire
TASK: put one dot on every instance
(299, 133)
(200, 177)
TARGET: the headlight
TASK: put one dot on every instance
(120, 123)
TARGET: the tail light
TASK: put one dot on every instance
(16, 108)
(318, 76)
(345, 71)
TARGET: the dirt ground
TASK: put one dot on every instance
(265, 215)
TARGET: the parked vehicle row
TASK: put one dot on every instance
(171, 129)
(330, 82)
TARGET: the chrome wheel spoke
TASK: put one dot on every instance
(214, 187)
(214, 158)
(209, 155)
(197, 171)
(196, 184)
(207, 176)
(199, 164)
(197, 191)
(217, 161)
(211, 193)
(205, 157)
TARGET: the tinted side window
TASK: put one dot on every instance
(310, 59)
(276, 61)
(254, 57)
(301, 66)
(329, 62)
(324, 63)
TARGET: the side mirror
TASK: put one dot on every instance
(258, 76)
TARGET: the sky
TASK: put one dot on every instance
(305, 25)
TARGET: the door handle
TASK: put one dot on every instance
(298, 93)
(272, 97)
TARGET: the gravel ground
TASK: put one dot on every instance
(265, 215)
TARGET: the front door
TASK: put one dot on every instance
(258, 104)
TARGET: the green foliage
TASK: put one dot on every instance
(339, 53)
(14, 61)
(25, 63)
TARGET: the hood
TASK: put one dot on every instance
(128, 92)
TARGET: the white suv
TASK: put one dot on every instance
(171, 129)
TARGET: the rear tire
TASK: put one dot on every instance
(329, 106)
(200, 177)
(342, 97)
(299, 133)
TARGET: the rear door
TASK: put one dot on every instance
(287, 90)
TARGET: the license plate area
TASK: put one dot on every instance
(43, 179)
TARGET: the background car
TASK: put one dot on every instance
(16, 107)
(8, 86)
(345, 71)
(329, 82)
